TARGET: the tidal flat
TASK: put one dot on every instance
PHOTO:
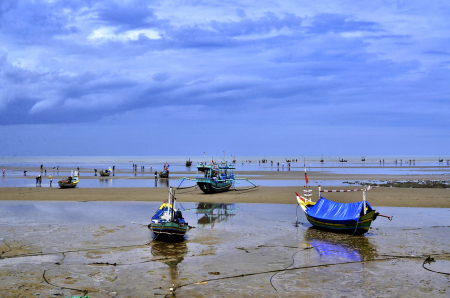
(105, 249)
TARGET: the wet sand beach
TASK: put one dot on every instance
(105, 249)
(381, 196)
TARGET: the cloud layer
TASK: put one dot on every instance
(338, 64)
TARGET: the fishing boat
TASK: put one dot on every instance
(352, 218)
(168, 223)
(165, 173)
(105, 172)
(188, 162)
(70, 182)
(215, 178)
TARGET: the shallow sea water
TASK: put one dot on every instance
(105, 249)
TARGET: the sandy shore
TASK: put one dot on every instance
(392, 197)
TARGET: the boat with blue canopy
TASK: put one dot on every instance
(353, 218)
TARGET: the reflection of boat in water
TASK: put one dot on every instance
(353, 218)
(168, 222)
(70, 182)
(170, 253)
(344, 247)
(224, 210)
(105, 172)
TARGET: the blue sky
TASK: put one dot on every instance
(246, 77)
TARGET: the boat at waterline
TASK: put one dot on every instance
(70, 182)
(188, 162)
(215, 177)
(352, 218)
(105, 172)
(168, 223)
(165, 172)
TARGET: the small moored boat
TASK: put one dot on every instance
(70, 182)
(352, 218)
(215, 178)
(168, 223)
(188, 162)
(105, 172)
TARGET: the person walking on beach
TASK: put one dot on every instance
(51, 180)
(37, 180)
(156, 175)
(3, 172)
(114, 167)
(45, 172)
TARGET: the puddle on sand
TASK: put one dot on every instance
(106, 249)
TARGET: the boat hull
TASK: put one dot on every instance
(210, 186)
(67, 185)
(357, 228)
(104, 174)
(169, 231)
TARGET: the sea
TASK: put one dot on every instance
(61, 166)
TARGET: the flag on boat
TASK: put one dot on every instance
(213, 161)
(306, 177)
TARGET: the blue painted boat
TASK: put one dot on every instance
(353, 218)
(215, 177)
(167, 223)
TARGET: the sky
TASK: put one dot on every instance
(155, 78)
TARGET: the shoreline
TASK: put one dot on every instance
(382, 196)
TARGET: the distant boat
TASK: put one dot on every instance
(168, 223)
(188, 163)
(105, 172)
(321, 160)
(363, 159)
(342, 160)
(70, 182)
(165, 172)
(441, 159)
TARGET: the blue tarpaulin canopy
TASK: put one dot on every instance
(329, 211)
